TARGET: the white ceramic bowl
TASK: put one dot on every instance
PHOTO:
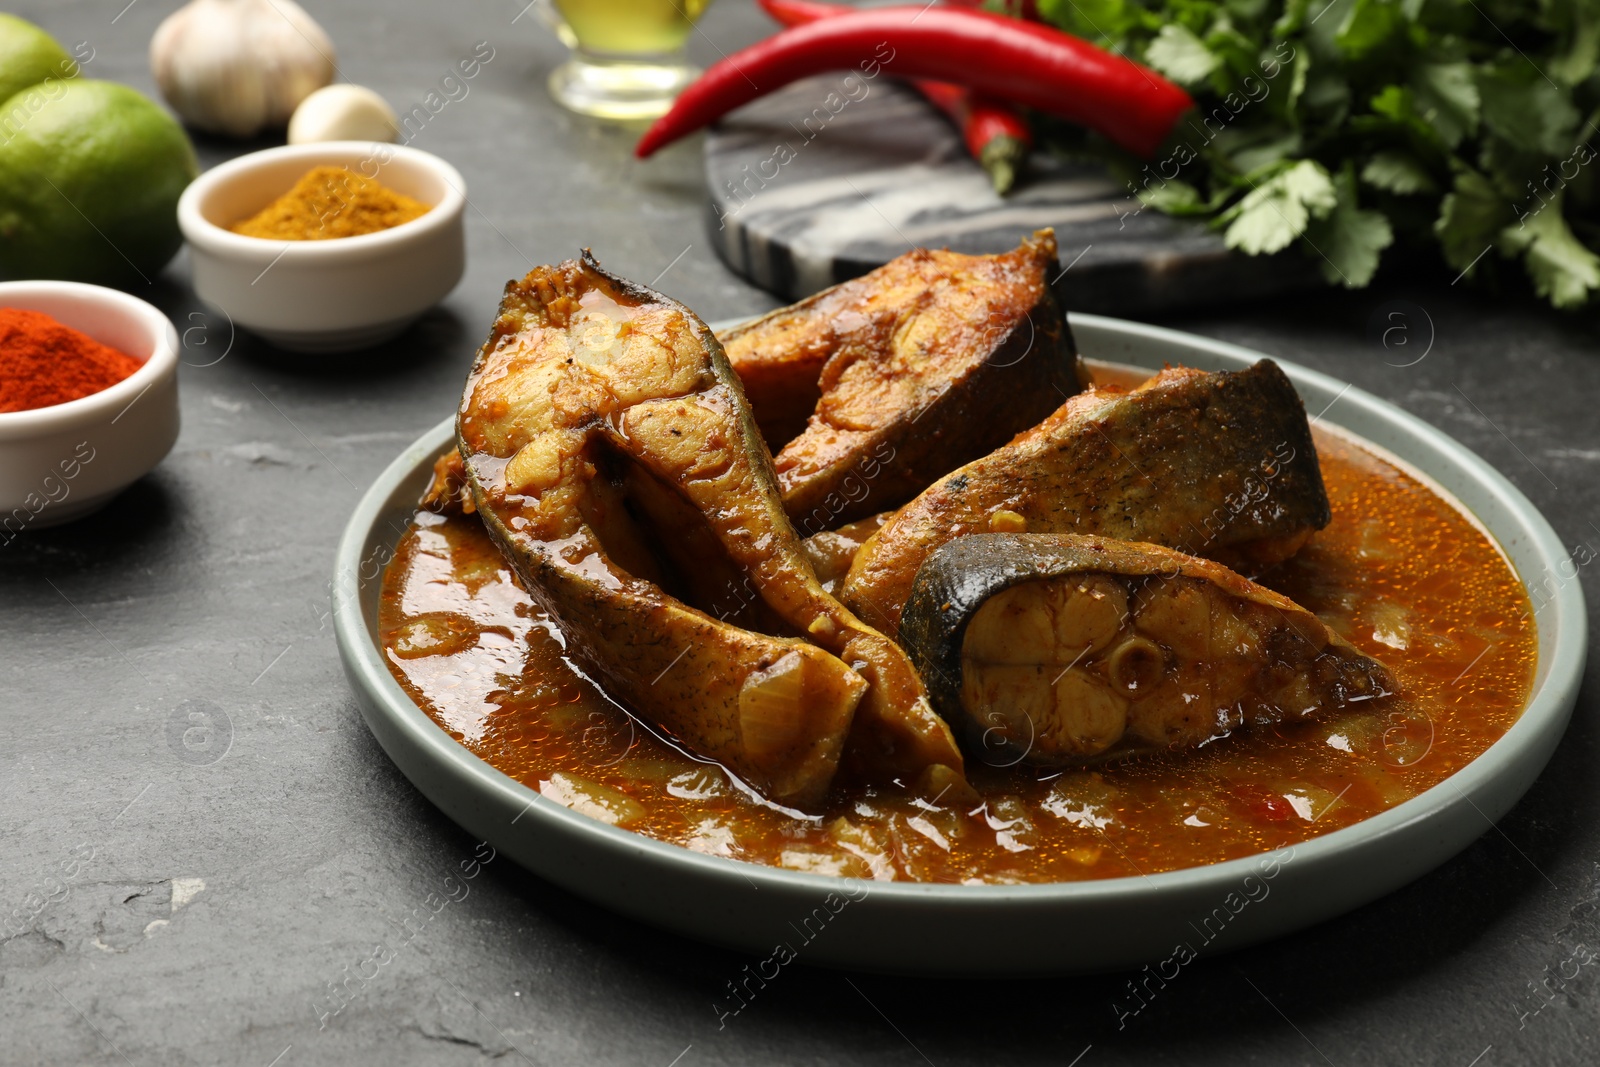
(62, 462)
(997, 929)
(332, 295)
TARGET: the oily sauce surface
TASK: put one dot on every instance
(1399, 572)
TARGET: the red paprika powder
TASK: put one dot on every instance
(43, 362)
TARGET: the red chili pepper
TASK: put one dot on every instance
(1019, 61)
(996, 134)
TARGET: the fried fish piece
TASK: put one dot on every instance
(610, 452)
(870, 390)
(1219, 465)
(1060, 649)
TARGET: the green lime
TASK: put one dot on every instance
(90, 174)
(28, 56)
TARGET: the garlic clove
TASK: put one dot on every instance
(237, 67)
(343, 113)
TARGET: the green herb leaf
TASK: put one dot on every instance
(1181, 56)
(1368, 25)
(1094, 19)
(1250, 151)
(1525, 109)
(1293, 18)
(1397, 172)
(1471, 217)
(1583, 56)
(1350, 240)
(1275, 212)
(1235, 51)
(1563, 270)
(1398, 104)
(1173, 198)
(1326, 95)
(1447, 99)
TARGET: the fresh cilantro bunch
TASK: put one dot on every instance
(1346, 125)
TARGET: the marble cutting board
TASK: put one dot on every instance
(833, 176)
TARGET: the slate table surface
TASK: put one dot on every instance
(161, 908)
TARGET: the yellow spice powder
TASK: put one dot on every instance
(330, 202)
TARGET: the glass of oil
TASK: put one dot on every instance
(627, 57)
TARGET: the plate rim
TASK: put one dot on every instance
(1555, 688)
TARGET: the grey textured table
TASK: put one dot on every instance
(217, 896)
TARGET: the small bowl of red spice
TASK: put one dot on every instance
(328, 246)
(88, 399)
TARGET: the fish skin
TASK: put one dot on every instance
(586, 375)
(962, 575)
(870, 390)
(1215, 464)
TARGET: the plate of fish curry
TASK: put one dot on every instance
(895, 584)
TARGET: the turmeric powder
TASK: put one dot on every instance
(331, 202)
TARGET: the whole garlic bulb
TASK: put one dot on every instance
(239, 66)
(343, 113)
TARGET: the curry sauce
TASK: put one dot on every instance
(1400, 573)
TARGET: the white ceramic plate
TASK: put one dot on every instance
(994, 930)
